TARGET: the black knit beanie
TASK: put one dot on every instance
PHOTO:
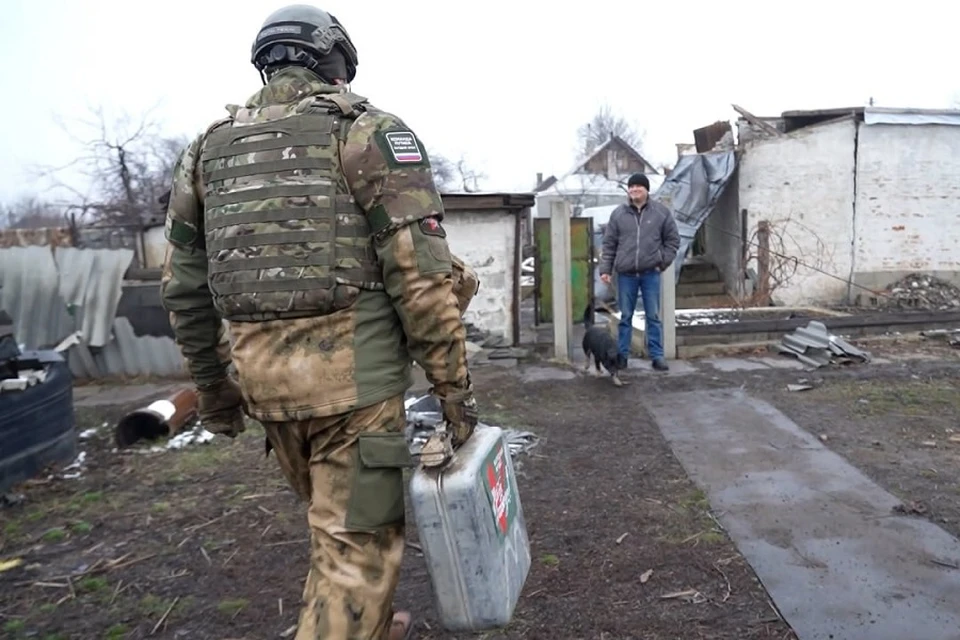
(639, 180)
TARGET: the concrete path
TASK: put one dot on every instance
(821, 536)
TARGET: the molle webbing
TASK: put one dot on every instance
(308, 129)
(277, 238)
(267, 168)
(230, 150)
(344, 207)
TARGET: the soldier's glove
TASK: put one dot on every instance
(460, 416)
(220, 407)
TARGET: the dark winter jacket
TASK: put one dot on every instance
(637, 241)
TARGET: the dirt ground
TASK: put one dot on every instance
(208, 542)
(902, 431)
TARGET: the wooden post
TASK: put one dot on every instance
(560, 273)
(763, 262)
(668, 310)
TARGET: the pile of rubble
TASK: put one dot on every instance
(923, 292)
(949, 336)
(815, 347)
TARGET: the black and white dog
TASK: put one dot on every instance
(601, 346)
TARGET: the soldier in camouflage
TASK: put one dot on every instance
(306, 225)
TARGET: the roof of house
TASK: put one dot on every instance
(801, 118)
(576, 180)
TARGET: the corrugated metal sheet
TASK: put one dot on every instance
(30, 293)
(878, 115)
(53, 295)
(91, 283)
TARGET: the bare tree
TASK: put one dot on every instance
(31, 213)
(455, 175)
(444, 171)
(128, 165)
(606, 123)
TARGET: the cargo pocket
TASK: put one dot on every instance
(376, 498)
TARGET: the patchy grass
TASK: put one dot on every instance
(903, 432)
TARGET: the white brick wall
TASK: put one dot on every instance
(908, 204)
(802, 183)
(486, 241)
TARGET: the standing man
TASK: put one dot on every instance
(309, 220)
(641, 241)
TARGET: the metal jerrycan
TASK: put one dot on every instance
(473, 534)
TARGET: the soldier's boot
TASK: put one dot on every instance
(402, 626)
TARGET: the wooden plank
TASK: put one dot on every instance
(757, 122)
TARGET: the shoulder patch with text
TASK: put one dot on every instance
(404, 147)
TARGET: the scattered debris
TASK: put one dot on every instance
(621, 538)
(799, 387)
(645, 576)
(484, 347)
(910, 508)
(75, 469)
(197, 435)
(690, 595)
(924, 292)
(943, 563)
(13, 563)
(950, 336)
(165, 417)
(25, 378)
(12, 499)
(424, 414)
(815, 347)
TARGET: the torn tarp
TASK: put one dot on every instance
(692, 190)
(815, 347)
(423, 414)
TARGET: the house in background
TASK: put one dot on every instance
(598, 179)
(852, 200)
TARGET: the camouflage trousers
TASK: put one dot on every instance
(350, 470)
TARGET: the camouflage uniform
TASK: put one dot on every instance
(323, 368)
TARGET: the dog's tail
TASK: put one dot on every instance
(588, 316)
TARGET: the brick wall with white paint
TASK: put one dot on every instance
(802, 183)
(908, 202)
(486, 241)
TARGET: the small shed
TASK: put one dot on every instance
(486, 231)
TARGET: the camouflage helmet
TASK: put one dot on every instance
(300, 34)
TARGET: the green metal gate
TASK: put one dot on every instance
(581, 268)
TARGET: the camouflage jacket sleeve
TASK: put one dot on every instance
(389, 174)
(184, 292)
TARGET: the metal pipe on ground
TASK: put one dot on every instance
(161, 418)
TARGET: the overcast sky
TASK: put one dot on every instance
(504, 83)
